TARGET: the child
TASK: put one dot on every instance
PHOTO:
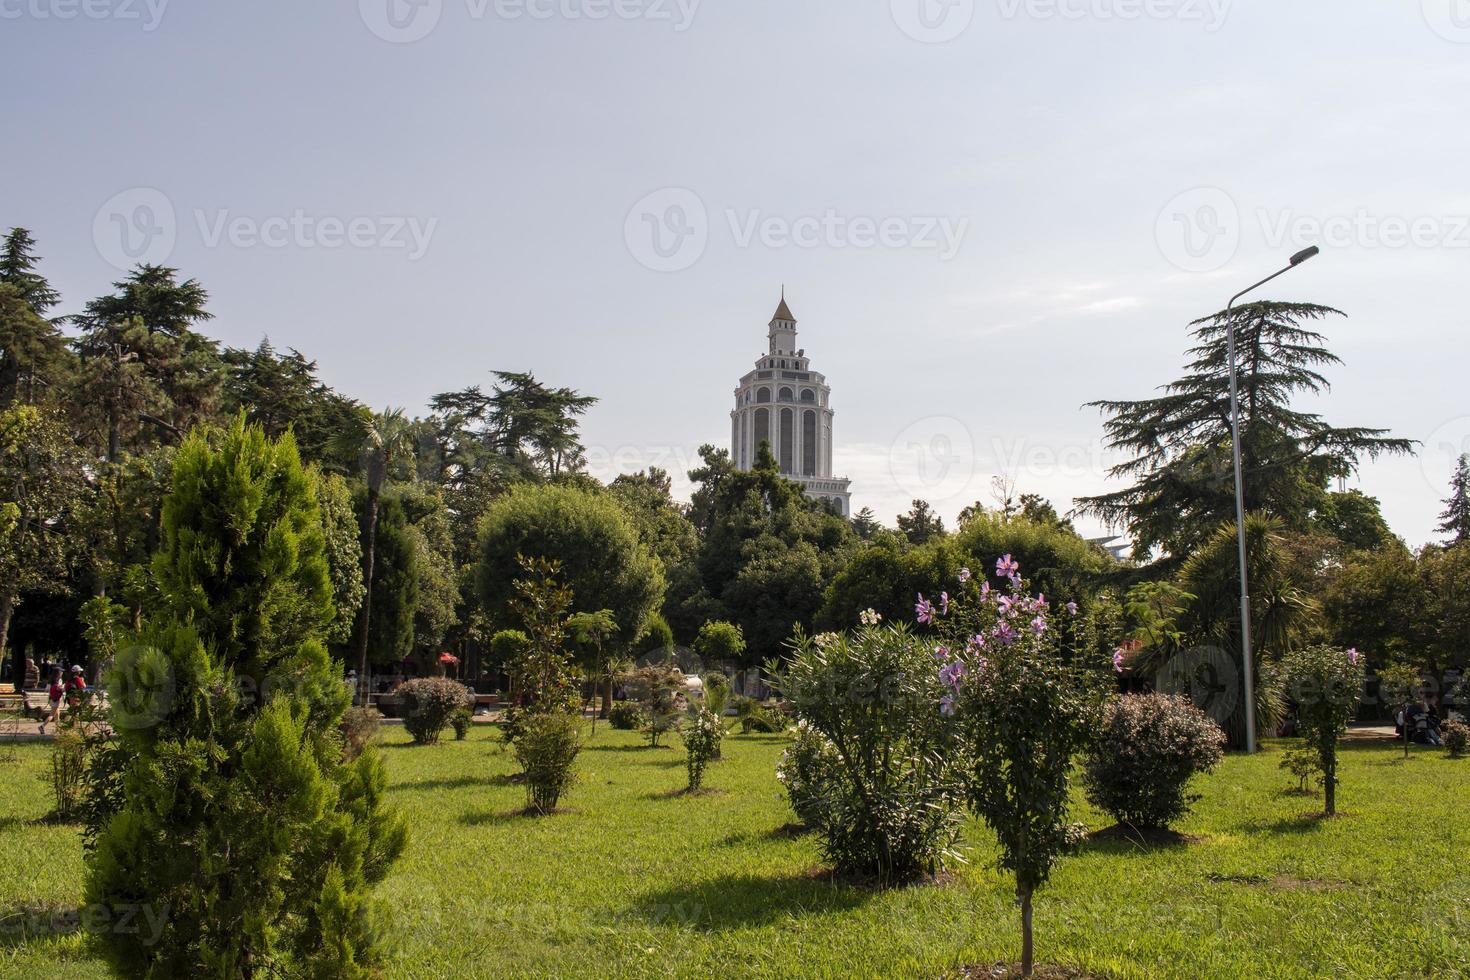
(55, 693)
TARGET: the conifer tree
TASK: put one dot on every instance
(240, 826)
(1455, 521)
(1181, 469)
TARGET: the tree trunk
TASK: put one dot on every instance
(7, 606)
(367, 599)
(1027, 951)
(1329, 784)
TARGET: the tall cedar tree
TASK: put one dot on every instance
(1181, 467)
(240, 823)
(151, 375)
(34, 359)
(1455, 521)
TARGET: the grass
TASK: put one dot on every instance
(634, 879)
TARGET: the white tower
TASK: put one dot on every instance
(785, 403)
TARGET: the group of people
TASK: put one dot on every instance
(1419, 723)
(61, 689)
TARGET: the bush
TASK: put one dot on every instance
(68, 769)
(546, 748)
(891, 808)
(429, 703)
(1456, 735)
(360, 728)
(804, 770)
(625, 716)
(1326, 684)
(659, 690)
(702, 742)
(461, 721)
(716, 693)
(1303, 763)
(755, 717)
(1149, 748)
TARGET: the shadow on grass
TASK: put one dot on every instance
(742, 901)
(1122, 838)
(1300, 823)
(36, 922)
(625, 748)
(458, 782)
(519, 814)
(787, 831)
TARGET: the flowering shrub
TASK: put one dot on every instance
(804, 770)
(1456, 735)
(701, 737)
(546, 748)
(1326, 684)
(1024, 703)
(429, 703)
(889, 807)
(1149, 748)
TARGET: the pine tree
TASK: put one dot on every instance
(240, 828)
(1182, 470)
(1455, 521)
(34, 360)
(18, 269)
(921, 523)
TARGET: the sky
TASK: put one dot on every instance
(986, 213)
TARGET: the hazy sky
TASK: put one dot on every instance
(986, 212)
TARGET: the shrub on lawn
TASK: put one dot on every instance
(460, 721)
(892, 809)
(546, 749)
(1026, 688)
(659, 690)
(429, 704)
(804, 770)
(1456, 735)
(360, 728)
(67, 772)
(1303, 763)
(625, 716)
(237, 811)
(1149, 748)
(1326, 684)
(755, 717)
(701, 734)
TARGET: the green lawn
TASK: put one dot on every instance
(636, 880)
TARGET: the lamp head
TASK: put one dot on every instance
(1304, 254)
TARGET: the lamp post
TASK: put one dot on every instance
(1245, 596)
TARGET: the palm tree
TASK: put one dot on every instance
(383, 440)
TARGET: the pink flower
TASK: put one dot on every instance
(975, 643)
(1353, 655)
(964, 575)
(1118, 661)
(1071, 608)
(1007, 567)
(1038, 625)
(941, 652)
(924, 609)
(944, 603)
(952, 674)
(946, 706)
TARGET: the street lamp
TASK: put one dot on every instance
(1245, 596)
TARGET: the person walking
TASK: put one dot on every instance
(56, 693)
